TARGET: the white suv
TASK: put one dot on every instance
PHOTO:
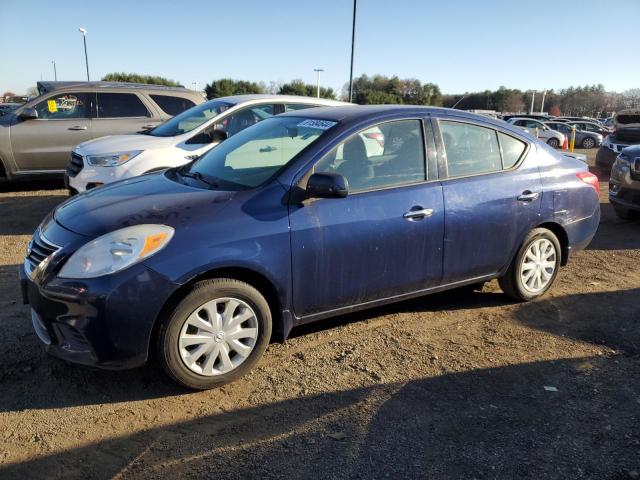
(177, 141)
(553, 138)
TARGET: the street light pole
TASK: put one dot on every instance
(353, 39)
(318, 70)
(83, 31)
(544, 94)
(55, 73)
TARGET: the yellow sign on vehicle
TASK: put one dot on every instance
(52, 106)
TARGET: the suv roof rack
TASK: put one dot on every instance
(45, 87)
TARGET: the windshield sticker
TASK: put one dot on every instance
(52, 106)
(317, 124)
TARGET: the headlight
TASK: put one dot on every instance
(116, 250)
(112, 159)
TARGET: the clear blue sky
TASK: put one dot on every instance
(462, 45)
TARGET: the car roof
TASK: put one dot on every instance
(46, 87)
(353, 112)
(279, 98)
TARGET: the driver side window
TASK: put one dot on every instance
(388, 154)
(238, 121)
(64, 106)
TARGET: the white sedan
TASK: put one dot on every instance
(177, 141)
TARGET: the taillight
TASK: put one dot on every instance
(378, 137)
(591, 179)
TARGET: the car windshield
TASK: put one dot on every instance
(254, 155)
(190, 119)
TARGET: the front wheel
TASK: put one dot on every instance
(553, 142)
(588, 143)
(215, 334)
(534, 268)
(625, 213)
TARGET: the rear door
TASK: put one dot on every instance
(384, 239)
(117, 113)
(45, 143)
(492, 192)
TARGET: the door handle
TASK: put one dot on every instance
(417, 213)
(78, 127)
(148, 127)
(528, 196)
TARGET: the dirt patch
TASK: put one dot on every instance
(453, 385)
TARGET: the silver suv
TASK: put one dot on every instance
(36, 139)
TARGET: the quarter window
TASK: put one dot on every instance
(118, 105)
(64, 106)
(172, 105)
(386, 155)
(470, 149)
(512, 150)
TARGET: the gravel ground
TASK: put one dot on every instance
(453, 385)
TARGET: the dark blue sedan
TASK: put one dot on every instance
(303, 216)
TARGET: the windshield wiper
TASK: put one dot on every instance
(198, 176)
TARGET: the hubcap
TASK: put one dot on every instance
(218, 336)
(588, 143)
(538, 265)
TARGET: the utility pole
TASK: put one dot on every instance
(544, 94)
(83, 31)
(55, 73)
(318, 70)
(533, 97)
(353, 39)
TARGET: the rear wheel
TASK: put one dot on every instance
(588, 143)
(534, 268)
(214, 335)
(553, 142)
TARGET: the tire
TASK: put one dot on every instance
(189, 337)
(513, 283)
(625, 213)
(588, 143)
(553, 142)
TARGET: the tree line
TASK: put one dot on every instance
(587, 100)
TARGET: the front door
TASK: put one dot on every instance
(492, 197)
(384, 239)
(45, 143)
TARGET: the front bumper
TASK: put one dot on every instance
(104, 322)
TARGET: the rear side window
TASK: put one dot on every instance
(119, 105)
(512, 150)
(292, 107)
(172, 105)
(470, 149)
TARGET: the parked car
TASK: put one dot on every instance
(592, 127)
(177, 141)
(626, 125)
(36, 139)
(8, 107)
(583, 139)
(551, 137)
(624, 183)
(291, 221)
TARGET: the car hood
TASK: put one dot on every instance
(151, 198)
(633, 151)
(121, 143)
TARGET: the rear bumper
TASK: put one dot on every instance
(103, 322)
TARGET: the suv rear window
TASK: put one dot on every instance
(118, 105)
(172, 105)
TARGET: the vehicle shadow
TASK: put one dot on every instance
(31, 185)
(22, 214)
(614, 233)
(610, 319)
(498, 423)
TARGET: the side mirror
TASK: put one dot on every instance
(327, 185)
(29, 113)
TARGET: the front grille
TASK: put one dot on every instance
(39, 249)
(76, 164)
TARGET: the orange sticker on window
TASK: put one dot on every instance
(52, 106)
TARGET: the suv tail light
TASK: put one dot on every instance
(591, 179)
